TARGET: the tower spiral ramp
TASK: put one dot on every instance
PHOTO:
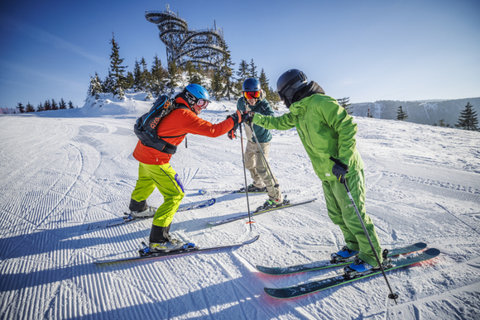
(202, 47)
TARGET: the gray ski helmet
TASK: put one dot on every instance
(289, 83)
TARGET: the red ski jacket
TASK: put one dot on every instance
(178, 123)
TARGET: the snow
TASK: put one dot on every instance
(66, 174)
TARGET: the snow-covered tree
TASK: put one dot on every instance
(95, 87)
(159, 77)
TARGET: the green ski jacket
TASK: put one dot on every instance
(325, 129)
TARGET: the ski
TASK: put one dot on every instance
(189, 248)
(189, 206)
(203, 191)
(256, 213)
(326, 264)
(319, 285)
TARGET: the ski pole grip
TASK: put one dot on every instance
(340, 163)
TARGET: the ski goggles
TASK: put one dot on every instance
(202, 103)
(251, 94)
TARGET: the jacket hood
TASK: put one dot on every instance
(312, 88)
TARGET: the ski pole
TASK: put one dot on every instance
(263, 155)
(245, 176)
(392, 295)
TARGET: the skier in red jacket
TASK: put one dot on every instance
(156, 171)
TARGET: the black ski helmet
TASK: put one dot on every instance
(289, 83)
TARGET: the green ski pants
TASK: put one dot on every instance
(342, 213)
(167, 182)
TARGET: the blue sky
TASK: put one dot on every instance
(366, 50)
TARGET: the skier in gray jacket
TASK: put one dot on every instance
(263, 180)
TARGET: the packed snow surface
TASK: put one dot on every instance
(66, 175)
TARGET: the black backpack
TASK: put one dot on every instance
(146, 126)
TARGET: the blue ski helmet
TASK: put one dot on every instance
(198, 91)
(289, 83)
(251, 84)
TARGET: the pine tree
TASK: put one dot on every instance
(243, 71)
(216, 85)
(129, 80)
(226, 72)
(264, 82)
(253, 69)
(401, 115)
(144, 76)
(54, 105)
(62, 104)
(47, 106)
(70, 105)
(137, 76)
(159, 77)
(29, 108)
(20, 107)
(172, 76)
(345, 103)
(468, 119)
(115, 75)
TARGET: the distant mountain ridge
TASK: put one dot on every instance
(422, 111)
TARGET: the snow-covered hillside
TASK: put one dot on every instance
(432, 112)
(65, 175)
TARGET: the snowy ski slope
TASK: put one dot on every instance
(65, 175)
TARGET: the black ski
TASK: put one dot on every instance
(188, 249)
(256, 213)
(326, 264)
(319, 285)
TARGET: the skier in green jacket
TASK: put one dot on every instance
(327, 131)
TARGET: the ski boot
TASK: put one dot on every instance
(254, 189)
(343, 255)
(159, 248)
(359, 267)
(273, 203)
(147, 213)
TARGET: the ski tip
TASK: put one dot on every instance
(277, 293)
(202, 191)
(420, 245)
(253, 239)
(433, 252)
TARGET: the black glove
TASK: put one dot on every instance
(339, 170)
(237, 119)
(247, 117)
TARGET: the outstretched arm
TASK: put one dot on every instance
(284, 122)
